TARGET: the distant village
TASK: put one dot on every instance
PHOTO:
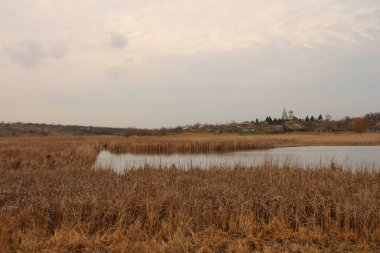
(288, 122)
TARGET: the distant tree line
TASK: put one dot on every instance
(370, 122)
(131, 131)
(36, 129)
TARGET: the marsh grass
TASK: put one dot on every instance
(52, 200)
(207, 143)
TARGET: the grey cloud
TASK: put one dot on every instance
(118, 40)
(30, 53)
(26, 53)
(58, 49)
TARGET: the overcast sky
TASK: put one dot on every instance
(153, 63)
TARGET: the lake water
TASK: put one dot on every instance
(351, 157)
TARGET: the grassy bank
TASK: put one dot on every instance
(52, 200)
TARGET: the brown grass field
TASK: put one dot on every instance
(53, 200)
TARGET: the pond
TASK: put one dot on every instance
(350, 157)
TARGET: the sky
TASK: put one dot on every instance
(165, 63)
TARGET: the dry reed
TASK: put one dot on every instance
(206, 143)
(52, 200)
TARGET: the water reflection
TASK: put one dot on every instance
(347, 156)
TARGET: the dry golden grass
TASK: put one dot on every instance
(204, 143)
(52, 200)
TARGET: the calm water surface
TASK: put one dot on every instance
(353, 157)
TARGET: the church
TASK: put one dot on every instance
(286, 115)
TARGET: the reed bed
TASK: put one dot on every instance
(53, 200)
(206, 143)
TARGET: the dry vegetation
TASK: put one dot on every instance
(52, 200)
(204, 143)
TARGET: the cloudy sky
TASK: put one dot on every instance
(153, 63)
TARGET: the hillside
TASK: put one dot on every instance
(36, 129)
